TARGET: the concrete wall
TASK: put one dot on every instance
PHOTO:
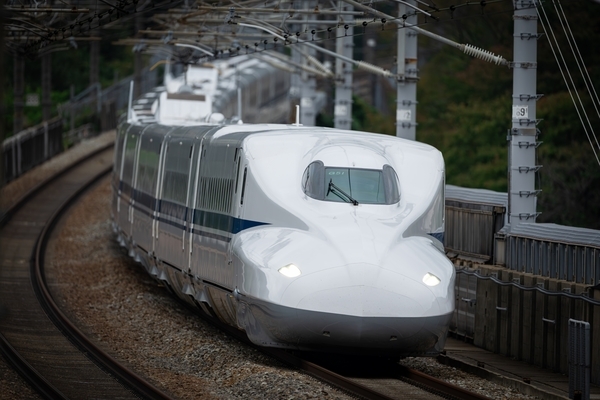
(526, 324)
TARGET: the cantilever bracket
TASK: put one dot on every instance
(527, 216)
(527, 97)
(528, 193)
(527, 145)
(526, 169)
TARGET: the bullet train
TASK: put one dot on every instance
(305, 238)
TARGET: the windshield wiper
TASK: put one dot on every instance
(333, 188)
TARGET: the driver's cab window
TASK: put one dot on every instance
(342, 184)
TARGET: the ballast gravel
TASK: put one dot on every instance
(113, 299)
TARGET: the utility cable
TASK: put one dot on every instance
(562, 69)
(583, 297)
(579, 59)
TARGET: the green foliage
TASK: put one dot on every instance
(465, 107)
(69, 67)
(570, 177)
(473, 141)
(366, 118)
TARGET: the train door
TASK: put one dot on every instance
(145, 185)
(172, 218)
(193, 199)
(213, 216)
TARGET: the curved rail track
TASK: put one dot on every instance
(57, 359)
(44, 347)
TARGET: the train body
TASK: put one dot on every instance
(241, 88)
(304, 237)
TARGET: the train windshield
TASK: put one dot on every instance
(351, 185)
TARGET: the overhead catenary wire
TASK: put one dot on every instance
(579, 59)
(572, 89)
(467, 49)
(85, 22)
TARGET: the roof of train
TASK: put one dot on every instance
(347, 136)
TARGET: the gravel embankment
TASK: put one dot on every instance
(138, 321)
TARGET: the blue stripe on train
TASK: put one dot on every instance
(439, 236)
(206, 219)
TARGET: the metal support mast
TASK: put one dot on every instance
(523, 134)
(406, 87)
(296, 78)
(342, 109)
(308, 86)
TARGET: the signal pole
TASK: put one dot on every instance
(523, 135)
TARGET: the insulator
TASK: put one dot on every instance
(374, 69)
(483, 54)
(318, 65)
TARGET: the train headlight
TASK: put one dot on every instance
(290, 270)
(431, 280)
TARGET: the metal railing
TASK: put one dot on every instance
(34, 145)
(31, 147)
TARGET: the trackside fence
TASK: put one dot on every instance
(579, 359)
(516, 293)
(34, 145)
(31, 147)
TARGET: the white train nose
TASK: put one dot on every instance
(363, 290)
(274, 325)
(363, 301)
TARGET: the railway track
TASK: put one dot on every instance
(368, 378)
(52, 359)
(36, 338)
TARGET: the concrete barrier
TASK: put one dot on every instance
(527, 324)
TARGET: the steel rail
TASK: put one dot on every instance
(435, 385)
(134, 383)
(20, 364)
(118, 370)
(411, 376)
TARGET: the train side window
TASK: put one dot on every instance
(313, 180)
(148, 165)
(127, 169)
(177, 166)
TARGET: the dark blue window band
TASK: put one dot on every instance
(177, 214)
